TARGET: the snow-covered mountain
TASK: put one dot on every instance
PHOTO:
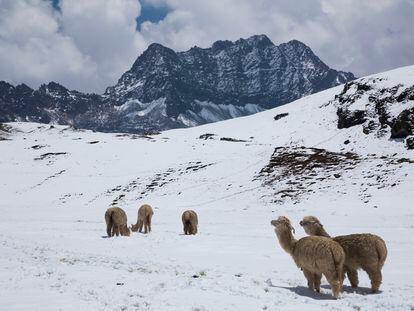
(165, 89)
(342, 155)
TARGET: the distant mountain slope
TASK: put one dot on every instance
(165, 89)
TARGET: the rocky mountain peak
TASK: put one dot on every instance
(166, 89)
(259, 41)
(53, 88)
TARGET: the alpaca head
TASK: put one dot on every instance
(311, 225)
(282, 224)
(134, 228)
(125, 231)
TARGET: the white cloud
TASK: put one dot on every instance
(362, 36)
(86, 47)
(32, 49)
(89, 44)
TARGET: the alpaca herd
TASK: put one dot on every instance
(116, 221)
(316, 255)
(319, 254)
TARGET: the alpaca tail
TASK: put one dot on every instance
(109, 222)
(338, 259)
(186, 217)
(381, 252)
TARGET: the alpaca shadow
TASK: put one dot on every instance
(355, 290)
(306, 292)
(105, 237)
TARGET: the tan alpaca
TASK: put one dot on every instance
(314, 255)
(116, 222)
(363, 251)
(190, 222)
(145, 213)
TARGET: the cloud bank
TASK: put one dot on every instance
(87, 45)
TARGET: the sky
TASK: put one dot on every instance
(87, 45)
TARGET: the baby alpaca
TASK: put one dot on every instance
(116, 222)
(314, 255)
(145, 213)
(363, 251)
(190, 222)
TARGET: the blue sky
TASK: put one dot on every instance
(149, 12)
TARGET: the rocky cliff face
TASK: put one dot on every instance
(166, 89)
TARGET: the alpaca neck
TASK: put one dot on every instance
(286, 240)
(320, 231)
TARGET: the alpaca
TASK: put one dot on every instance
(363, 251)
(190, 222)
(116, 222)
(145, 213)
(314, 255)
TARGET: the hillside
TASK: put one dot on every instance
(342, 155)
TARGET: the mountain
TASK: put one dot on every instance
(165, 89)
(342, 155)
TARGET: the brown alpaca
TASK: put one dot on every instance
(190, 222)
(363, 251)
(145, 213)
(116, 222)
(314, 255)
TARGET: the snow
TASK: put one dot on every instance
(211, 112)
(52, 230)
(136, 108)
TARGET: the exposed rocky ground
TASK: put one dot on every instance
(377, 109)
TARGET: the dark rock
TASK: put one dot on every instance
(50, 155)
(409, 142)
(280, 116)
(346, 142)
(347, 118)
(369, 127)
(363, 87)
(232, 139)
(207, 136)
(400, 129)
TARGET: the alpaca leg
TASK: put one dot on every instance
(185, 229)
(149, 223)
(109, 229)
(375, 277)
(309, 277)
(145, 227)
(317, 282)
(352, 276)
(140, 225)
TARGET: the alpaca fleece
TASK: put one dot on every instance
(316, 256)
(190, 222)
(116, 222)
(363, 251)
(145, 213)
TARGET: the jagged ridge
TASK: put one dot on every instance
(165, 89)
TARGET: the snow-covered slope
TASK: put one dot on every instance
(238, 175)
